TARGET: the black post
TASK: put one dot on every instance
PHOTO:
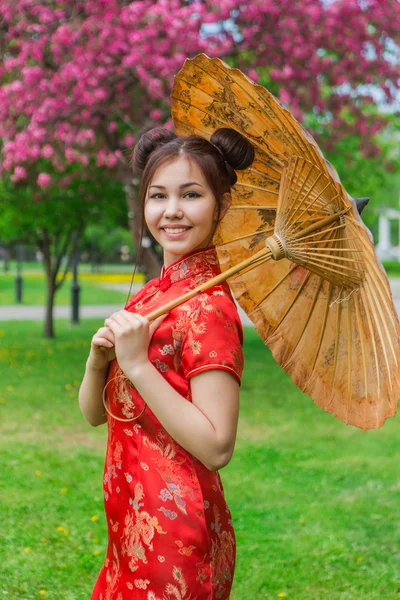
(75, 289)
(5, 258)
(18, 280)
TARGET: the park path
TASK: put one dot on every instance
(101, 311)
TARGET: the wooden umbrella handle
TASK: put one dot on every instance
(258, 258)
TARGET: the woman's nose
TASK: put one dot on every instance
(173, 209)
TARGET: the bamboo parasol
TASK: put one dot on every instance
(297, 256)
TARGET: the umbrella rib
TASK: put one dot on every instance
(296, 250)
(333, 240)
(275, 286)
(255, 187)
(321, 208)
(385, 326)
(387, 298)
(309, 313)
(251, 206)
(250, 267)
(329, 249)
(362, 343)
(244, 237)
(322, 264)
(372, 334)
(374, 304)
(349, 354)
(335, 361)
(323, 328)
(323, 231)
(307, 277)
(306, 196)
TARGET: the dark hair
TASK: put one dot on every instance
(218, 158)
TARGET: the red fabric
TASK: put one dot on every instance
(170, 529)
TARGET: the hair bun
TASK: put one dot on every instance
(150, 141)
(236, 150)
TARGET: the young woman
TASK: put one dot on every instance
(171, 386)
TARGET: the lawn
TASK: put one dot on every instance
(315, 503)
(93, 289)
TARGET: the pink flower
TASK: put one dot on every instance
(19, 174)
(44, 180)
(155, 114)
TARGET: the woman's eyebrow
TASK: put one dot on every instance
(181, 187)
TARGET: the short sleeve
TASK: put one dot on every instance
(214, 336)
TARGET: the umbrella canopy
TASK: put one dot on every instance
(324, 304)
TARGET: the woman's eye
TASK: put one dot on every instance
(157, 196)
(192, 195)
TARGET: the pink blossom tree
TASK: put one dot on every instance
(81, 80)
(331, 61)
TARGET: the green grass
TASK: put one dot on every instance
(392, 268)
(315, 503)
(34, 291)
(37, 267)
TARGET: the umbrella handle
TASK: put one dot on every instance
(258, 258)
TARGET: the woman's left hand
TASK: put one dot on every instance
(132, 334)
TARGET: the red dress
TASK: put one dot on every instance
(169, 527)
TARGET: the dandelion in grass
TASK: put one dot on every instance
(64, 490)
(27, 549)
(359, 558)
(38, 473)
(60, 528)
(94, 518)
(42, 593)
(281, 595)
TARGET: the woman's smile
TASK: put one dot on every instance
(175, 231)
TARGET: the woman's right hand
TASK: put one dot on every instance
(102, 349)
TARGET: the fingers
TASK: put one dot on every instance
(154, 324)
(124, 320)
(104, 337)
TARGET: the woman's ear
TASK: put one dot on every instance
(226, 201)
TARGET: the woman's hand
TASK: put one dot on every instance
(102, 349)
(132, 334)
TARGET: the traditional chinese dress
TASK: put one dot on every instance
(169, 527)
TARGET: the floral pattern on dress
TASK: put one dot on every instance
(139, 531)
(170, 533)
(178, 591)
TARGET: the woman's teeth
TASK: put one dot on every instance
(175, 229)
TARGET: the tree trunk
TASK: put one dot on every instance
(45, 246)
(49, 322)
(149, 259)
(52, 262)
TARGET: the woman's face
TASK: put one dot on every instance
(181, 210)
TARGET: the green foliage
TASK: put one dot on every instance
(392, 268)
(104, 244)
(377, 178)
(314, 502)
(27, 209)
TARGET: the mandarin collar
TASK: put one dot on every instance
(201, 261)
